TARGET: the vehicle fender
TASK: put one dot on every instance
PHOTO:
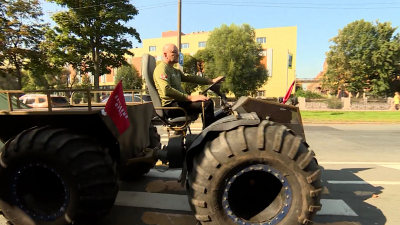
(224, 124)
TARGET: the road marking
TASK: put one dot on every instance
(364, 182)
(360, 163)
(396, 167)
(173, 174)
(153, 200)
(167, 218)
(166, 135)
(181, 203)
(336, 207)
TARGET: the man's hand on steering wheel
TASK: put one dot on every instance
(216, 81)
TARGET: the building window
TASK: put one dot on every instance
(261, 40)
(202, 44)
(260, 94)
(152, 48)
(185, 45)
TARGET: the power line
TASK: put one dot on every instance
(138, 8)
(277, 5)
(288, 5)
(295, 3)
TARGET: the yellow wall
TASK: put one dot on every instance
(280, 40)
(192, 38)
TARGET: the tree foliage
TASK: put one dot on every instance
(190, 68)
(3, 23)
(231, 51)
(130, 77)
(94, 33)
(364, 55)
(22, 31)
(48, 69)
(307, 94)
(7, 79)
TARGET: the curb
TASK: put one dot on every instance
(199, 124)
(342, 122)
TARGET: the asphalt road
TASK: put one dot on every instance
(361, 176)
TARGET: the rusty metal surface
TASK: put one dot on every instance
(91, 124)
(136, 138)
(284, 114)
(122, 147)
(89, 105)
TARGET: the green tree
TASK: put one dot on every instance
(3, 22)
(190, 68)
(85, 83)
(21, 33)
(47, 69)
(130, 77)
(7, 79)
(231, 51)
(95, 31)
(363, 55)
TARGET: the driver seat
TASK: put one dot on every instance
(148, 64)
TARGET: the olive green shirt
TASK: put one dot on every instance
(168, 80)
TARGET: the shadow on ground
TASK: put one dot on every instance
(354, 195)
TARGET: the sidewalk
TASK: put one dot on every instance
(347, 110)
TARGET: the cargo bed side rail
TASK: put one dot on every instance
(48, 93)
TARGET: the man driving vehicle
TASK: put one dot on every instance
(167, 80)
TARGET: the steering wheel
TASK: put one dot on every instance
(212, 85)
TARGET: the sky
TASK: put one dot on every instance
(317, 21)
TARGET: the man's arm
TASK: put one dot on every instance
(198, 79)
(195, 79)
(163, 80)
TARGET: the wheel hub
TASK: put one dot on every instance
(40, 192)
(258, 194)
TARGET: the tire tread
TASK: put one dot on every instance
(58, 143)
(270, 137)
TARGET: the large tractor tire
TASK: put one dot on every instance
(135, 171)
(52, 176)
(255, 175)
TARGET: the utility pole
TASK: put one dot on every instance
(179, 24)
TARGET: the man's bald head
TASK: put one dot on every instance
(170, 54)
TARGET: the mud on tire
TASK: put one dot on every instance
(52, 176)
(255, 175)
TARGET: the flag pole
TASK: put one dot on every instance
(287, 69)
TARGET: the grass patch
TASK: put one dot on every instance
(351, 116)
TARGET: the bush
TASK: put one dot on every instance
(334, 103)
(308, 94)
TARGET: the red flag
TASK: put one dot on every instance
(288, 93)
(116, 109)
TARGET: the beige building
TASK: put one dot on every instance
(279, 44)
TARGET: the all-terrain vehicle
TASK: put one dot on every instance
(251, 166)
